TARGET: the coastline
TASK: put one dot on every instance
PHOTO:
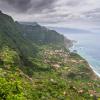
(92, 69)
(97, 74)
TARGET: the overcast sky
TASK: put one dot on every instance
(83, 14)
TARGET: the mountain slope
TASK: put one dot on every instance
(23, 37)
(35, 65)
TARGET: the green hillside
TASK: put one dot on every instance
(36, 65)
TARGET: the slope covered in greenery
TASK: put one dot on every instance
(35, 65)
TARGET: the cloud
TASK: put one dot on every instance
(55, 12)
(24, 6)
(19, 5)
(93, 15)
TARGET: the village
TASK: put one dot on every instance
(55, 57)
(58, 57)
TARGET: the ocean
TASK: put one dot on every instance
(87, 45)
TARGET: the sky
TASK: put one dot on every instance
(80, 14)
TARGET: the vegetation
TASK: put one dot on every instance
(35, 65)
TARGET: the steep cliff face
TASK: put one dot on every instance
(15, 34)
(27, 40)
(24, 38)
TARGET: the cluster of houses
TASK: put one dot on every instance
(55, 53)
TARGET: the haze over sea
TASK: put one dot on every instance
(87, 45)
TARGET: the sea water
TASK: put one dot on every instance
(88, 46)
